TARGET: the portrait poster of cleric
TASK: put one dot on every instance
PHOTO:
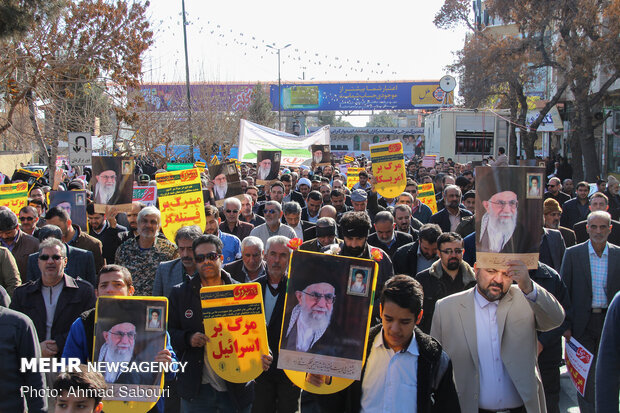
(326, 316)
(267, 166)
(226, 182)
(321, 154)
(508, 215)
(112, 182)
(74, 202)
(129, 332)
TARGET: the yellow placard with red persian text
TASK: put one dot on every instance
(180, 200)
(353, 176)
(388, 168)
(234, 322)
(426, 195)
(14, 196)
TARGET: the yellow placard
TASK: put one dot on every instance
(234, 321)
(348, 159)
(149, 339)
(14, 196)
(353, 176)
(426, 195)
(388, 168)
(215, 160)
(180, 200)
(429, 95)
(200, 165)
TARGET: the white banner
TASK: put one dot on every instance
(295, 149)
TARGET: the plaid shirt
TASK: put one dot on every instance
(598, 269)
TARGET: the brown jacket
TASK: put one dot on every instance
(9, 274)
(24, 246)
(89, 243)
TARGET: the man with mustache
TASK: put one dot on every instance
(264, 169)
(499, 222)
(120, 340)
(490, 333)
(105, 186)
(220, 187)
(447, 276)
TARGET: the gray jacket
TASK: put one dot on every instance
(168, 274)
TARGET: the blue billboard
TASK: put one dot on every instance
(358, 96)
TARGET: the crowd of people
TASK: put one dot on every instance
(445, 336)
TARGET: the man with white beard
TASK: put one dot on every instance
(118, 347)
(310, 318)
(105, 187)
(499, 222)
(317, 156)
(220, 187)
(264, 169)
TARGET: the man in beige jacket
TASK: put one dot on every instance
(489, 332)
(9, 274)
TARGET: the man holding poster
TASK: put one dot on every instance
(200, 388)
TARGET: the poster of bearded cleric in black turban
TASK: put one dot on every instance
(112, 182)
(267, 166)
(325, 323)
(129, 334)
(74, 202)
(226, 182)
(508, 215)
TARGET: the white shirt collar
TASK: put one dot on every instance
(412, 349)
(481, 301)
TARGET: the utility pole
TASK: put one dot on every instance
(189, 102)
(278, 49)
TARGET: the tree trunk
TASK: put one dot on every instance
(588, 143)
(575, 147)
(512, 140)
(528, 142)
(32, 114)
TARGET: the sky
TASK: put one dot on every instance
(338, 40)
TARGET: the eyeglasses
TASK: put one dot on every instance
(55, 257)
(271, 211)
(449, 251)
(22, 219)
(120, 334)
(513, 203)
(211, 256)
(231, 211)
(316, 297)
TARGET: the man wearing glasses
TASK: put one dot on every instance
(447, 276)
(555, 191)
(419, 211)
(105, 187)
(55, 300)
(28, 219)
(273, 225)
(499, 223)
(200, 388)
(232, 225)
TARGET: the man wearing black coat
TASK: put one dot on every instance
(105, 229)
(385, 236)
(598, 202)
(417, 256)
(199, 386)
(577, 209)
(450, 216)
(55, 300)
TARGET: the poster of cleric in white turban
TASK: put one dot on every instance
(267, 166)
(112, 182)
(129, 334)
(508, 215)
(326, 320)
(226, 182)
(321, 155)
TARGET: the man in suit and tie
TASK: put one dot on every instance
(489, 332)
(591, 272)
(171, 273)
(451, 215)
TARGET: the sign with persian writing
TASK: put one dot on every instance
(234, 321)
(180, 200)
(353, 176)
(14, 196)
(145, 194)
(388, 168)
(578, 362)
(80, 149)
(426, 195)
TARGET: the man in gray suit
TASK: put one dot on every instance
(171, 273)
(591, 272)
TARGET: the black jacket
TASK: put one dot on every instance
(436, 392)
(110, 239)
(442, 219)
(406, 259)
(185, 319)
(275, 323)
(581, 233)
(571, 213)
(401, 239)
(76, 297)
(435, 289)
(549, 279)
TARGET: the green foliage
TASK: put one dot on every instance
(330, 118)
(383, 120)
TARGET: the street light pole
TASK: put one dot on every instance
(278, 49)
(189, 103)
